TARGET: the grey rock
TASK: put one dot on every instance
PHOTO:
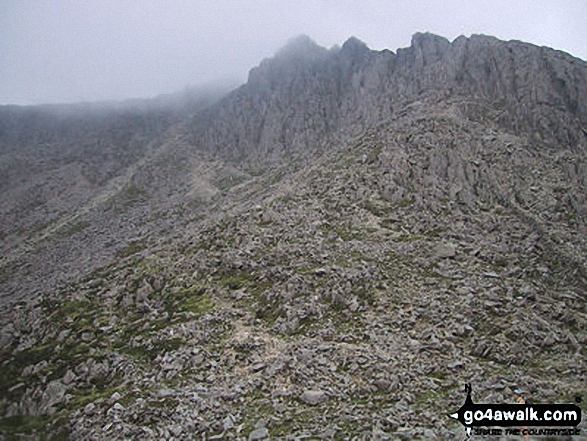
(63, 335)
(176, 430)
(69, 378)
(313, 397)
(444, 251)
(228, 423)
(163, 393)
(117, 407)
(87, 337)
(52, 395)
(6, 335)
(89, 409)
(258, 434)
(39, 367)
(143, 293)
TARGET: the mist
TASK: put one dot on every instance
(62, 51)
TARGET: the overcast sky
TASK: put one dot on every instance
(87, 50)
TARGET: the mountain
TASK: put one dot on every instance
(306, 94)
(330, 250)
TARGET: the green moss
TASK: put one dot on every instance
(406, 202)
(82, 397)
(438, 375)
(256, 289)
(258, 408)
(344, 232)
(23, 424)
(304, 271)
(373, 155)
(193, 299)
(236, 281)
(149, 267)
(255, 172)
(164, 403)
(197, 304)
(434, 232)
(410, 238)
(72, 308)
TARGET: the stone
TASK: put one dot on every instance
(40, 367)
(63, 335)
(69, 377)
(176, 430)
(445, 251)
(164, 393)
(98, 371)
(258, 434)
(117, 407)
(228, 423)
(87, 336)
(52, 395)
(313, 397)
(143, 293)
(6, 335)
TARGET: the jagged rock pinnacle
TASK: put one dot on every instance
(429, 43)
(353, 46)
(301, 46)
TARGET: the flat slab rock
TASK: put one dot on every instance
(314, 397)
(257, 434)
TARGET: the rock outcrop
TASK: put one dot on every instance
(306, 94)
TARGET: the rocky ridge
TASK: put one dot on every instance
(307, 94)
(347, 290)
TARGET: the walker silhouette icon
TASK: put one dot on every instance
(469, 405)
(516, 417)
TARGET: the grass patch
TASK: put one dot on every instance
(405, 202)
(344, 232)
(410, 238)
(199, 303)
(130, 194)
(235, 281)
(23, 424)
(86, 396)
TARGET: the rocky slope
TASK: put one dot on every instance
(77, 183)
(332, 250)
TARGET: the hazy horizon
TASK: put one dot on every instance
(63, 51)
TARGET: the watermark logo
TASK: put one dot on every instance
(518, 419)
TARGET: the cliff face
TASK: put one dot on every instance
(307, 94)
